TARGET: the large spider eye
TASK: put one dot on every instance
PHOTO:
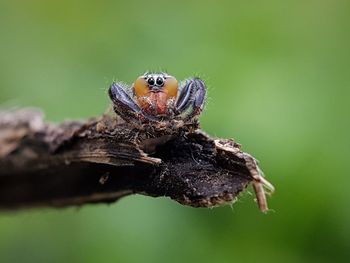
(160, 81)
(150, 81)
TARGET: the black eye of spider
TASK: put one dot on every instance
(160, 81)
(151, 81)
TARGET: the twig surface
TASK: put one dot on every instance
(104, 159)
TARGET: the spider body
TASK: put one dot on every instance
(157, 97)
(156, 93)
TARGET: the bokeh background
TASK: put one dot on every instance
(278, 74)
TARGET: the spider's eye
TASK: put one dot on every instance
(160, 81)
(150, 81)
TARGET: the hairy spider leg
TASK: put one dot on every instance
(191, 99)
(124, 106)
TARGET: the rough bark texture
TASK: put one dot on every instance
(103, 159)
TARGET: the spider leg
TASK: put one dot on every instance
(184, 96)
(191, 99)
(125, 106)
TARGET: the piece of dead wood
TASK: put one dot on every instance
(103, 159)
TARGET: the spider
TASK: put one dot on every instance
(157, 98)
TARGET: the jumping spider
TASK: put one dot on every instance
(156, 98)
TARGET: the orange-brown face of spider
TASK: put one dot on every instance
(156, 93)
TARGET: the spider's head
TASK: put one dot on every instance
(154, 91)
(155, 82)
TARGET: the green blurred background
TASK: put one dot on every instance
(278, 74)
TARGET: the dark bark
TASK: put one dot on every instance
(103, 159)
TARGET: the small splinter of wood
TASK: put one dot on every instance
(258, 184)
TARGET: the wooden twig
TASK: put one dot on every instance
(103, 159)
